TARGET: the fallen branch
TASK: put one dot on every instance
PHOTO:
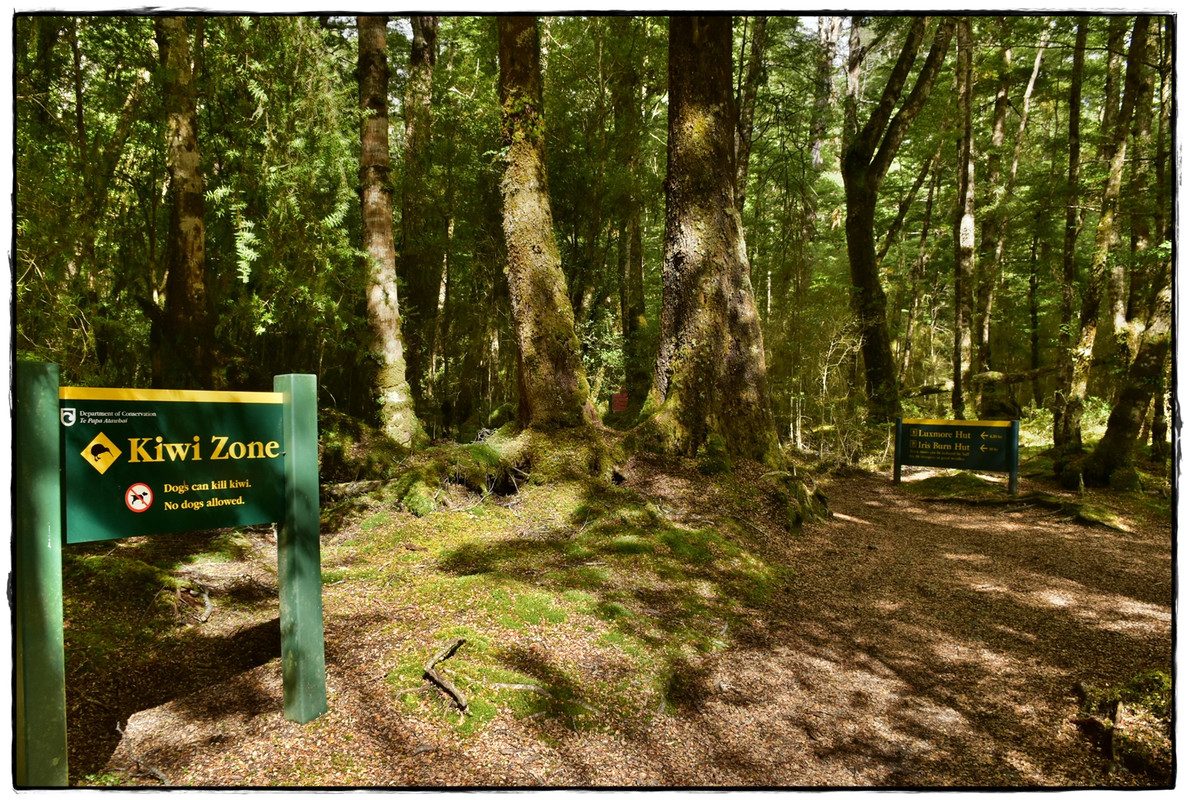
(144, 766)
(442, 681)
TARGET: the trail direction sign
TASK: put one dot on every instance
(984, 445)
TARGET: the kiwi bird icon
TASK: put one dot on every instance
(99, 450)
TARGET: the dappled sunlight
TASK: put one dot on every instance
(848, 518)
(1096, 609)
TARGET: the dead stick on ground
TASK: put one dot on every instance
(446, 685)
(146, 767)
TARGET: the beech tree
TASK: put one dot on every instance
(870, 148)
(398, 418)
(711, 372)
(552, 380)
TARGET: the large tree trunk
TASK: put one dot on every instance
(421, 256)
(868, 154)
(397, 416)
(188, 329)
(552, 380)
(1106, 236)
(710, 369)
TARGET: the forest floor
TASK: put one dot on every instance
(667, 631)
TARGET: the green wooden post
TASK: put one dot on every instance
(1013, 458)
(898, 468)
(40, 657)
(299, 561)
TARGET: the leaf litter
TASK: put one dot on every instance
(650, 638)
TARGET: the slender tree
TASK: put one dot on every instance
(754, 76)
(869, 149)
(187, 325)
(1107, 233)
(627, 106)
(421, 255)
(965, 250)
(1066, 428)
(552, 380)
(398, 418)
(711, 374)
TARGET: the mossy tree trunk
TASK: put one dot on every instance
(552, 380)
(397, 416)
(1115, 452)
(711, 375)
(186, 325)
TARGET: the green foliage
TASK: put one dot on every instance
(279, 138)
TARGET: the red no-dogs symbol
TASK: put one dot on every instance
(138, 498)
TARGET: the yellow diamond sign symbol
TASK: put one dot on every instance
(101, 453)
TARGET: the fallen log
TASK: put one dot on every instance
(444, 683)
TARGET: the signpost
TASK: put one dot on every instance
(986, 445)
(97, 464)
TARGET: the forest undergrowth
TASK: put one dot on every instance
(615, 607)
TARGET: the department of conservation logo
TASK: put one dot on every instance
(69, 417)
(101, 453)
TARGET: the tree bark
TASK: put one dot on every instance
(552, 380)
(711, 373)
(868, 154)
(188, 328)
(828, 32)
(1107, 231)
(421, 256)
(965, 252)
(1066, 436)
(397, 416)
(1115, 452)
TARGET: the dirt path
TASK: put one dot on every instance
(921, 644)
(940, 644)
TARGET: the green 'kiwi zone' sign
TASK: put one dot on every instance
(985, 445)
(96, 464)
(140, 462)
